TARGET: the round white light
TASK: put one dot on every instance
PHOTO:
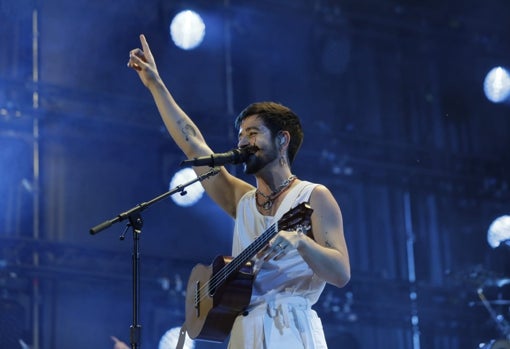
(193, 192)
(497, 85)
(499, 232)
(187, 30)
(171, 338)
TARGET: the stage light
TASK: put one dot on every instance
(499, 232)
(187, 30)
(192, 193)
(171, 337)
(497, 85)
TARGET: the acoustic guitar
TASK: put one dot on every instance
(218, 293)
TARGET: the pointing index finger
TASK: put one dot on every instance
(145, 46)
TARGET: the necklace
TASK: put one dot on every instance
(268, 204)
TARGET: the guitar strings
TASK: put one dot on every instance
(216, 280)
(251, 250)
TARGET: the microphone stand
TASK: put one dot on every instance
(136, 222)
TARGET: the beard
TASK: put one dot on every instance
(255, 163)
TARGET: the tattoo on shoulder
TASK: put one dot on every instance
(188, 131)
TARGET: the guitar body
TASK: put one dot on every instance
(210, 310)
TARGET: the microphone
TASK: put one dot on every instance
(235, 156)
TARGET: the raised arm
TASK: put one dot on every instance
(224, 189)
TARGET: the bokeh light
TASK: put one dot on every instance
(497, 85)
(193, 192)
(187, 30)
(499, 231)
(171, 337)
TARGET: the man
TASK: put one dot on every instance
(295, 266)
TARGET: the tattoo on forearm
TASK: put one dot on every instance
(188, 131)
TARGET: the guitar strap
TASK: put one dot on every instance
(182, 337)
(301, 193)
(295, 197)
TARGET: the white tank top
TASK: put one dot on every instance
(288, 276)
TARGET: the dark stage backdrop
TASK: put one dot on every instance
(396, 125)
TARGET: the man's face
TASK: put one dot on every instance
(254, 132)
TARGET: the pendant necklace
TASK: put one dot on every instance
(268, 204)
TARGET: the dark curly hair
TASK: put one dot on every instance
(276, 118)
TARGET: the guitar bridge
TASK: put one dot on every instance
(197, 298)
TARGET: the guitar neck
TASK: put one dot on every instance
(247, 254)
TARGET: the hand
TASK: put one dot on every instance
(118, 343)
(281, 244)
(143, 62)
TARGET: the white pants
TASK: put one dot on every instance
(287, 322)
